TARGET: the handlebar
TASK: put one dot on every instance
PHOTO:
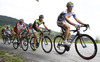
(87, 26)
(46, 31)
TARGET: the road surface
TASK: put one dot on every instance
(40, 56)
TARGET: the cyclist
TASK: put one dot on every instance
(63, 18)
(8, 31)
(29, 30)
(18, 27)
(36, 25)
(4, 33)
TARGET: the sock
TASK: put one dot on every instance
(66, 41)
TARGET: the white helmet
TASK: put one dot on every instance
(8, 26)
(69, 4)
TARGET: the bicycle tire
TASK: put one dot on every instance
(24, 43)
(15, 42)
(94, 43)
(55, 41)
(4, 41)
(46, 37)
(31, 44)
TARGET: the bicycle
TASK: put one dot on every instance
(83, 43)
(45, 42)
(7, 39)
(23, 42)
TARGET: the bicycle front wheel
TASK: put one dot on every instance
(9, 40)
(46, 44)
(58, 44)
(86, 47)
(24, 44)
(4, 41)
(15, 43)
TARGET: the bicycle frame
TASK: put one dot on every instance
(77, 35)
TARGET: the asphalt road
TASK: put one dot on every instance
(40, 56)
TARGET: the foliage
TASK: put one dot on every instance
(5, 20)
(97, 40)
(6, 56)
(37, 0)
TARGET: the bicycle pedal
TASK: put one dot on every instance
(67, 48)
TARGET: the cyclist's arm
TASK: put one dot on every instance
(38, 27)
(78, 20)
(45, 26)
(66, 17)
(17, 26)
(26, 28)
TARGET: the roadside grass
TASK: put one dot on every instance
(97, 41)
(6, 56)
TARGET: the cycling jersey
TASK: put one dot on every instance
(7, 29)
(29, 28)
(38, 23)
(20, 26)
(65, 13)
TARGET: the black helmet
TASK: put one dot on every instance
(41, 16)
(21, 21)
(30, 24)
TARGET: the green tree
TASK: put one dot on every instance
(37, 0)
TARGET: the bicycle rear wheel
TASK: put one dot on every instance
(46, 44)
(24, 44)
(32, 44)
(86, 47)
(58, 44)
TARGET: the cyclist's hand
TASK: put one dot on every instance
(41, 30)
(86, 25)
(77, 26)
(49, 30)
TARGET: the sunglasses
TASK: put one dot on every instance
(71, 6)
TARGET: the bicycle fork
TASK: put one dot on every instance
(82, 43)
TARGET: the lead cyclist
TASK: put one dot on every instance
(64, 17)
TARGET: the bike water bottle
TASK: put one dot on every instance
(72, 36)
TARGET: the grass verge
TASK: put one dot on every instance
(6, 56)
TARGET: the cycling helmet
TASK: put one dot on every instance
(69, 4)
(41, 16)
(4, 28)
(8, 26)
(30, 24)
(21, 21)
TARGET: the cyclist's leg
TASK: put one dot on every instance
(4, 35)
(20, 34)
(67, 34)
(35, 35)
(15, 31)
(66, 27)
(67, 31)
(41, 33)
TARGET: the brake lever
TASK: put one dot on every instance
(86, 28)
(49, 32)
